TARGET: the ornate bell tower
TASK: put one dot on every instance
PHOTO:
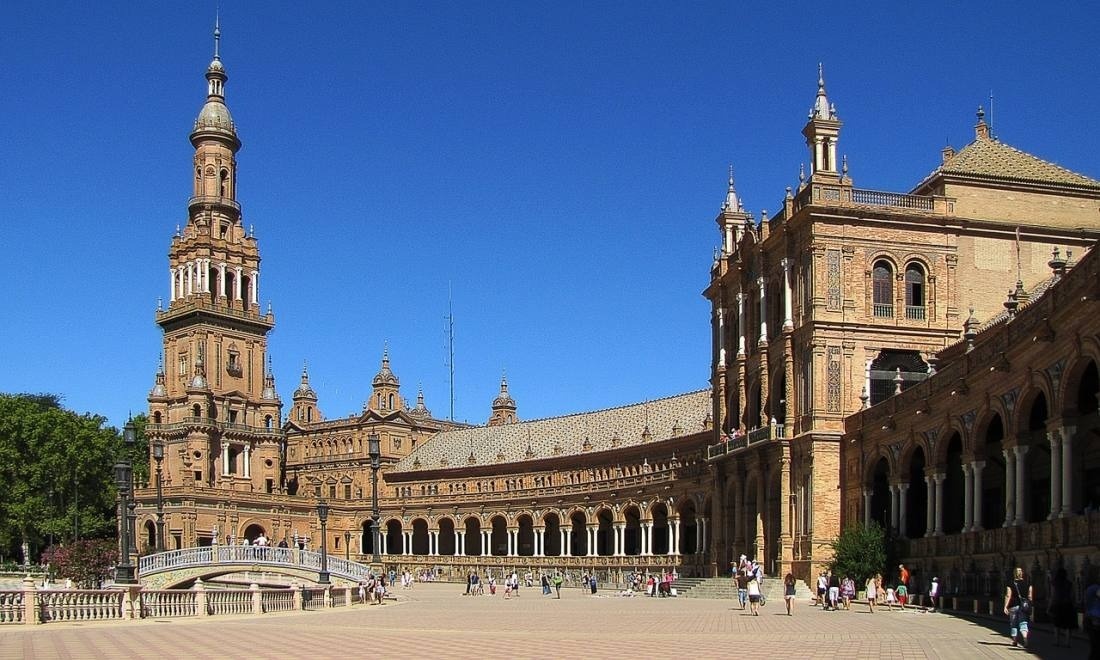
(214, 404)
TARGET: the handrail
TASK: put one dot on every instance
(207, 421)
(215, 555)
(755, 436)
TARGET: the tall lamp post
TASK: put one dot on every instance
(374, 448)
(322, 513)
(347, 545)
(124, 570)
(158, 456)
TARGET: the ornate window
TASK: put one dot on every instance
(914, 292)
(882, 281)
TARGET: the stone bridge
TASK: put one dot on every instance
(167, 570)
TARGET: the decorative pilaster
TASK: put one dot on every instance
(1067, 470)
(903, 510)
(968, 497)
(977, 522)
(1021, 483)
(939, 478)
(1010, 487)
(1055, 439)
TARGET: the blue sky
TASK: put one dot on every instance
(556, 165)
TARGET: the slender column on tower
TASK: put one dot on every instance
(903, 507)
(225, 459)
(832, 154)
(1021, 483)
(968, 496)
(171, 285)
(938, 478)
(190, 277)
(254, 290)
(721, 337)
(740, 324)
(1055, 439)
(247, 453)
(1067, 470)
(1010, 487)
(237, 283)
(976, 470)
(222, 268)
(763, 313)
(788, 308)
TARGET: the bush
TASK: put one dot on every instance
(87, 563)
(859, 552)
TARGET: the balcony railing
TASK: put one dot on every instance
(884, 311)
(915, 312)
(734, 444)
(896, 200)
(206, 422)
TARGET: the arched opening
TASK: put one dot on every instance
(268, 422)
(420, 537)
(253, 532)
(196, 410)
(151, 537)
(1085, 449)
(525, 536)
(895, 371)
(366, 538)
(498, 539)
(882, 285)
(605, 535)
(880, 493)
(447, 536)
(779, 400)
(224, 183)
(156, 417)
(993, 476)
(578, 526)
(1088, 391)
(1036, 500)
(659, 513)
(472, 537)
(752, 513)
(917, 501)
(394, 538)
(733, 415)
(551, 537)
(954, 488)
(632, 536)
(707, 519)
(689, 529)
(752, 414)
(914, 292)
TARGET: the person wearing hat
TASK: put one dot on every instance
(934, 594)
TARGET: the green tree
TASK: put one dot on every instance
(859, 552)
(55, 473)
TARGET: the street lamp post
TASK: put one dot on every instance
(322, 513)
(158, 456)
(124, 570)
(347, 545)
(374, 448)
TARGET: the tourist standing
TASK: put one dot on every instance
(754, 595)
(934, 594)
(1062, 610)
(872, 593)
(822, 589)
(742, 588)
(834, 591)
(848, 591)
(1018, 595)
(557, 585)
(592, 583)
(788, 592)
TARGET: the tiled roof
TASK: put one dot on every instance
(992, 159)
(580, 433)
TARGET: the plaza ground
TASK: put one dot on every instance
(436, 621)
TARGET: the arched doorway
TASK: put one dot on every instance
(954, 488)
(689, 529)
(151, 537)
(551, 537)
(579, 534)
(366, 538)
(1036, 499)
(420, 537)
(659, 514)
(394, 538)
(880, 493)
(446, 537)
(894, 371)
(993, 475)
(498, 540)
(525, 536)
(473, 537)
(916, 512)
(1085, 447)
(253, 532)
(632, 537)
(605, 539)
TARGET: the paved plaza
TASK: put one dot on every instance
(436, 621)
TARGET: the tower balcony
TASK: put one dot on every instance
(198, 308)
(210, 202)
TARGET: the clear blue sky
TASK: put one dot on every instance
(558, 164)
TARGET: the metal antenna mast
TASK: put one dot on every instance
(450, 318)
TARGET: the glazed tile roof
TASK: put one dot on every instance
(599, 430)
(992, 159)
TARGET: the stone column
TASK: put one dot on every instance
(895, 497)
(1055, 439)
(1021, 483)
(222, 267)
(1010, 487)
(171, 285)
(930, 505)
(939, 478)
(1067, 471)
(460, 543)
(649, 538)
(247, 454)
(903, 509)
(225, 459)
(968, 497)
(674, 547)
(237, 284)
(976, 470)
(741, 325)
(721, 337)
(254, 298)
(568, 549)
(763, 323)
(788, 314)
(761, 502)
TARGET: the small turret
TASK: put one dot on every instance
(504, 406)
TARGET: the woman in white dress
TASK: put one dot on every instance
(872, 593)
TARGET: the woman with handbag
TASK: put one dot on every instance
(1018, 595)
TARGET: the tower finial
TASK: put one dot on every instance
(217, 33)
(820, 78)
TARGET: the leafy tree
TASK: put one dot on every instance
(55, 473)
(859, 552)
(87, 562)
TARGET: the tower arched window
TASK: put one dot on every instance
(390, 403)
(224, 183)
(882, 283)
(914, 292)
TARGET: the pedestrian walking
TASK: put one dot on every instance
(1018, 595)
(788, 592)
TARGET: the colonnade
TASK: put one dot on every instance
(193, 277)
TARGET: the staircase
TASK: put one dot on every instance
(726, 588)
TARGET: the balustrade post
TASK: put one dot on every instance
(327, 600)
(297, 590)
(257, 599)
(30, 602)
(200, 599)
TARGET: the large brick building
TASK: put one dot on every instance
(843, 297)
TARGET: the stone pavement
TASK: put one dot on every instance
(435, 620)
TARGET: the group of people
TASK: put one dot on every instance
(372, 590)
(748, 574)
(835, 592)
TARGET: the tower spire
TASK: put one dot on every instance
(217, 35)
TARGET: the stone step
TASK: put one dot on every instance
(725, 588)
